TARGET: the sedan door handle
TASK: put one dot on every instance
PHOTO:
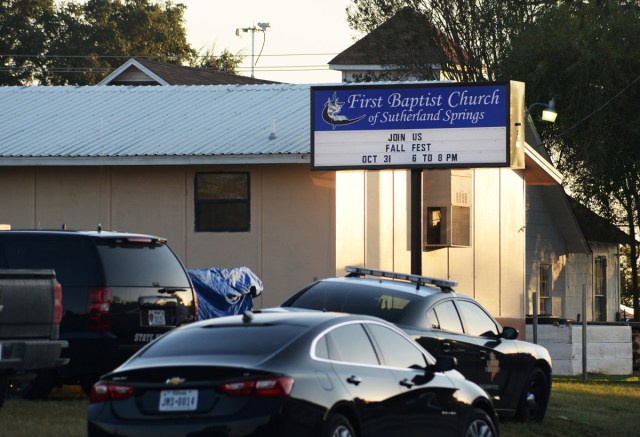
(406, 383)
(355, 380)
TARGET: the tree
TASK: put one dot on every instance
(80, 43)
(471, 36)
(587, 56)
(26, 27)
(105, 33)
(225, 61)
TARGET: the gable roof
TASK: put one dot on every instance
(104, 125)
(141, 71)
(407, 32)
(596, 228)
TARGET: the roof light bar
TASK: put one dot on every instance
(415, 279)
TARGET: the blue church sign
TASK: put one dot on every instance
(426, 125)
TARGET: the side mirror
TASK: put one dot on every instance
(509, 333)
(444, 363)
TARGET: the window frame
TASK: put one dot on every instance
(544, 290)
(600, 289)
(245, 201)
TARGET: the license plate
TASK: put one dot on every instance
(178, 400)
(156, 318)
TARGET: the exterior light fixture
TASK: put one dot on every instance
(548, 113)
(262, 27)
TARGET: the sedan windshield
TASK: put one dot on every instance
(254, 339)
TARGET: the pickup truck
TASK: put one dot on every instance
(30, 315)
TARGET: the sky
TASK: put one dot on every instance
(302, 37)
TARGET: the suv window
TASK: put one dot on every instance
(73, 259)
(140, 265)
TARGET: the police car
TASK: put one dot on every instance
(516, 374)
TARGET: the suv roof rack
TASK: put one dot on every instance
(444, 284)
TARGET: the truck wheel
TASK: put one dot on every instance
(38, 388)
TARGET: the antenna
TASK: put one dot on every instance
(262, 27)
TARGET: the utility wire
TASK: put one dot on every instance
(599, 108)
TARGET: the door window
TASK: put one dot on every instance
(476, 321)
(446, 317)
(397, 351)
(349, 343)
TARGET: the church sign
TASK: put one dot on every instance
(411, 125)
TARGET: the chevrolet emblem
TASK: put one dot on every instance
(175, 380)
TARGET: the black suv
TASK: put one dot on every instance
(121, 291)
(516, 374)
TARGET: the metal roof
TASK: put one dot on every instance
(121, 125)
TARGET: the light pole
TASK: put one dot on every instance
(262, 27)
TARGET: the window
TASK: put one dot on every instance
(447, 317)
(476, 320)
(448, 226)
(222, 202)
(460, 226)
(436, 226)
(544, 293)
(397, 350)
(350, 344)
(600, 289)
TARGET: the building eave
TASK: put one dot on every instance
(49, 161)
(539, 171)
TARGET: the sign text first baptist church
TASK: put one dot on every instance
(426, 125)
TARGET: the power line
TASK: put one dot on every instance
(54, 56)
(599, 108)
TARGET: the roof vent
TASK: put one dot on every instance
(272, 135)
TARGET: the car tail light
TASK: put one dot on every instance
(271, 387)
(99, 307)
(57, 303)
(103, 392)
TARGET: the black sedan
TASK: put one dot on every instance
(283, 373)
(516, 374)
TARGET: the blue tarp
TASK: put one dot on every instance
(224, 292)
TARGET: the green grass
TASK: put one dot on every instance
(602, 406)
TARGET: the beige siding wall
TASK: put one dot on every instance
(304, 225)
(292, 236)
(491, 269)
(583, 267)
